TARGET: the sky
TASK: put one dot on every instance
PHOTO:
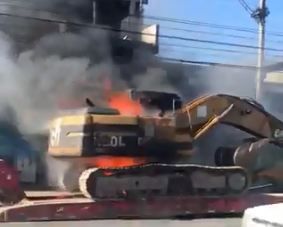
(229, 13)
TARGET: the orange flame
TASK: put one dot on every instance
(125, 105)
(116, 100)
(110, 161)
(121, 100)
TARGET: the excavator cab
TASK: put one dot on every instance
(163, 101)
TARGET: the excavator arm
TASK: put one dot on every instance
(203, 113)
(199, 116)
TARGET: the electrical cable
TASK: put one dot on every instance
(163, 36)
(211, 25)
(187, 49)
(210, 33)
(162, 27)
(157, 18)
(206, 63)
(213, 49)
(246, 6)
(134, 32)
(183, 54)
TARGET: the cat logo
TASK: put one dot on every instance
(55, 132)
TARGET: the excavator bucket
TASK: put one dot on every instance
(247, 156)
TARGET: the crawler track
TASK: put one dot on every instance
(154, 180)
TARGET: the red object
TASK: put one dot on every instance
(9, 177)
(11, 190)
(79, 209)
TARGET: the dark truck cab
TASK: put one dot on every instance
(162, 101)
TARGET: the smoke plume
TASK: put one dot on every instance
(34, 80)
(37, 68)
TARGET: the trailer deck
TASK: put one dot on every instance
(72, 208)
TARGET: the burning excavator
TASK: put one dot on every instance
(122, 153)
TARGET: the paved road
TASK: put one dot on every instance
(229, 222)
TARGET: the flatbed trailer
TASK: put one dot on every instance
(65, 206)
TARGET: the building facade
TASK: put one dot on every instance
(28, 21)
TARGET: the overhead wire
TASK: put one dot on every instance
(40, 9)
(164, 36)
(213, 49)
(134, 32)
(184, 53)
(207, 63)
(211, 25)
(156, 18)
(164, 27)
(187, 39)
(246, 6)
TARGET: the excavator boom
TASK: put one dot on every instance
(202, 114)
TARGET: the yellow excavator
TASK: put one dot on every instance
(115, 156)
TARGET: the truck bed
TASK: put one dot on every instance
(54, 209)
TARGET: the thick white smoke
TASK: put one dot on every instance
(47, 67)
(234, 81)
(29, 86)
(32, 82)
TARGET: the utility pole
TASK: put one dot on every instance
(260, 15)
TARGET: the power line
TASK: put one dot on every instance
(183, 54)
(156, 18)
(206, 63)
(203, 24)
(162, 36)
(166, 27)
(215, 33)
(134, 32)
(245, 6)
(197, 48)
(211, 25)
(214, 49)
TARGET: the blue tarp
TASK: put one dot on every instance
(14, 145)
